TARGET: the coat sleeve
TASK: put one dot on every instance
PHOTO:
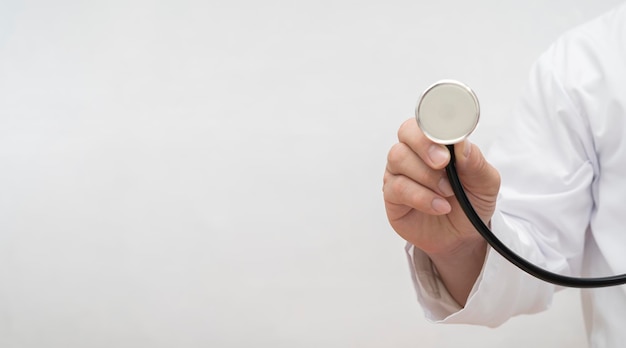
(547, 162)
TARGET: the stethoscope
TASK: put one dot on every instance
(447, 113)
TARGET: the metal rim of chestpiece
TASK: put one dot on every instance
(447, 112)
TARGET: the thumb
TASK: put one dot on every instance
(478, 176)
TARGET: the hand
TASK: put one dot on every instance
(422, 209)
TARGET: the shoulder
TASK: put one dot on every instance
(587, 65)
(594, 52)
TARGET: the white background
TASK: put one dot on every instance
(208, 173)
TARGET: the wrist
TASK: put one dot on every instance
(460, 267)
(469, 251)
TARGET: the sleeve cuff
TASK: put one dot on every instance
(432, 294)
(500, 291)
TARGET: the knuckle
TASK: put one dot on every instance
(387, 177)
(397, 188)
(497, 180)
(396, 155)
(405, 127)
(401, 190)
(424, 177)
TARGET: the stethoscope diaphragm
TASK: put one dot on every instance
(447, 112)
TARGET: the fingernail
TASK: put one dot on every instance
(445, 188)
(441, 206)
(467, 148)
(438, 154)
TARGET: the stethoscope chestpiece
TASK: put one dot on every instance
(447, 112)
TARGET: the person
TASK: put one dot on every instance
(552, 189)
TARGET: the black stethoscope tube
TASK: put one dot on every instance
(510, 255)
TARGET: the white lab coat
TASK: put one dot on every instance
(562, 202)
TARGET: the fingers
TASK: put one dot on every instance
(401, 160)
(416, 188)
(401, 192)
(414, 177)
(435, 155)
(475, 172)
